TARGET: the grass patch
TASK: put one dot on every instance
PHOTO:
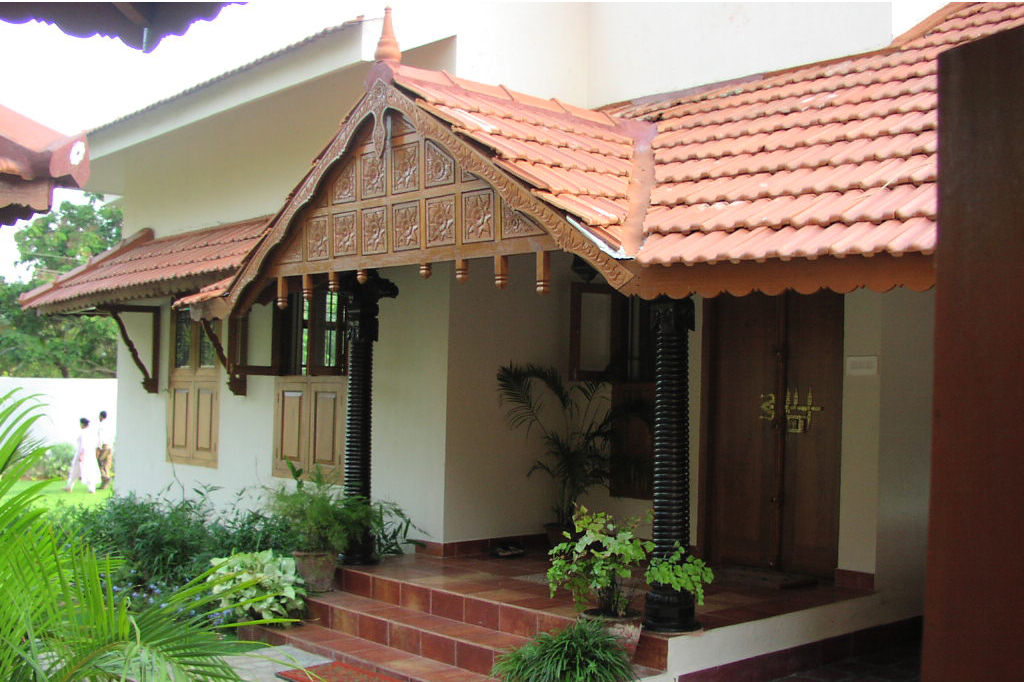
(53, 494)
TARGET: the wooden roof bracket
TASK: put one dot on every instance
(150, 378)
(233, 361)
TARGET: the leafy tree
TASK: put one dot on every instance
(59, 345)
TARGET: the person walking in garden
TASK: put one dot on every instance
(104, 451)
(84, 464)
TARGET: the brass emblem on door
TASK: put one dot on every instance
(798, 416)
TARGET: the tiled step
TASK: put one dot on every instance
(364, 653)
(442, 639)
(511, 606)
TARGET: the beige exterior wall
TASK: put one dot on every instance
(487, 492)
(410, 381)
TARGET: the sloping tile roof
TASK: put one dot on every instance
(141, 267)
(578, 160)
(834, 159)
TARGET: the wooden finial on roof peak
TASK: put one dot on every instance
(387, 46)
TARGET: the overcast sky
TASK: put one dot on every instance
(73, 84)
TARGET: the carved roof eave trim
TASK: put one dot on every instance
(379, 98)
(176, 286)
(879, 273)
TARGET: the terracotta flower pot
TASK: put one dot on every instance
(317, 569)
(626, 628)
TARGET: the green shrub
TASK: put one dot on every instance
(55, 463)
(278, 592)
(171, 542)
(582, 652)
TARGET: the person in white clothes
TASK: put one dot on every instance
(84, 465)
(104, 451)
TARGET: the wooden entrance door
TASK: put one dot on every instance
(775, 402)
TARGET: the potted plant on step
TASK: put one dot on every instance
(324, 522)
(600, 565)
(575, 423)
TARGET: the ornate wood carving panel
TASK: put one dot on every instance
(406, 222)
(318, 243)
(439, 167)
(441, 220)
(375, 230)
(345, 233)
(345, 184)
(372, 171)
(413, 204)
(405, 168)
(478, 216)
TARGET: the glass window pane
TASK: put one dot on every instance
(207, 353)
(182, 339)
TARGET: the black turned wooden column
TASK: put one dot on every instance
(669, 610)
(362, 329)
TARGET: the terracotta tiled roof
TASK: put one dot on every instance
(33, 160)
(142, 267)
(834, 159)
(576, 159)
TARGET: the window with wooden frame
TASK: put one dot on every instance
(611, 339)
(310, 393)
(192, 409)
(310, 333)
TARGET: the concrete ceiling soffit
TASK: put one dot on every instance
(382, 97)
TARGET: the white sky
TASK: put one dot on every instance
(73, 84)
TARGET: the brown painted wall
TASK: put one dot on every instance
(975, 593)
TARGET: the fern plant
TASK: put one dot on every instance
(583, 652)
(576, 434)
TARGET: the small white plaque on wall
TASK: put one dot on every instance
(861, 365)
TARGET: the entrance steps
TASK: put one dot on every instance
(435, 620)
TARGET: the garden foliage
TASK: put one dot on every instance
(583, 652)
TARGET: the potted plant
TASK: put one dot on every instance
(576, 433)
(600, 565)
(582, 652)
(324, 522)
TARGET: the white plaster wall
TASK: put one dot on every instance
(63, 402)
(245, 433)
(858, 497)
(887, 441)
(236, 164)
(640, 49)
(140, 451)
(410, 384)
(908, 321)
(487, 492)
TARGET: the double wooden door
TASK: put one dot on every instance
(775, 406)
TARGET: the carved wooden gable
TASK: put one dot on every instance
(413, 204)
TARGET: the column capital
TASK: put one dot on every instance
(672, 316)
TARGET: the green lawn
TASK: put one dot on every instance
(53, 494)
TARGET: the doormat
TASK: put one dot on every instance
(334, 672)
(758, 577)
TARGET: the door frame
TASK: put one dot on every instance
(704, 511)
